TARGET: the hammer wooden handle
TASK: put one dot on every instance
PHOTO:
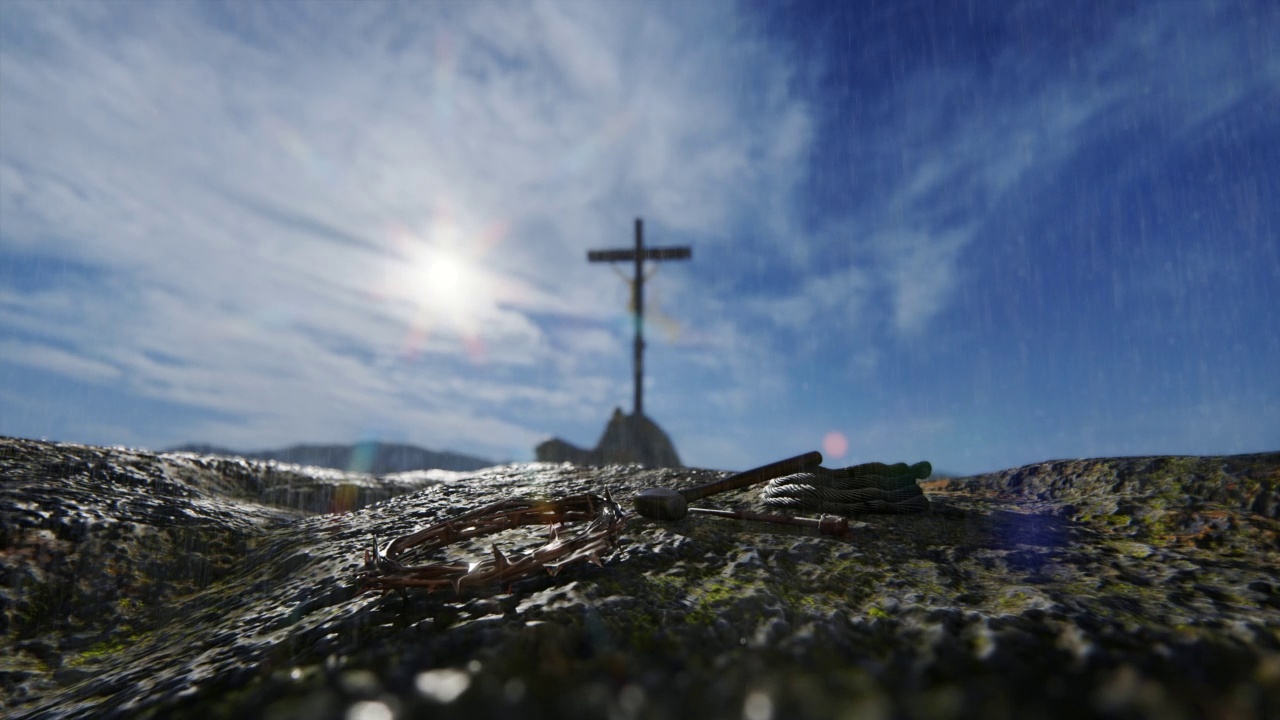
(796, 464)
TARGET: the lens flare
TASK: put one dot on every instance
(834, 444)
(445, 71)
(295, 144)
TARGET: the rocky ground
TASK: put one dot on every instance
(143, 585)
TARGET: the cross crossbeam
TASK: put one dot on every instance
(667, 253)
(638, 256)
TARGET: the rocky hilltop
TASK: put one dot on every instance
(627, 439)
(170, 585)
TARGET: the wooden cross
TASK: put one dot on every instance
(639, 255)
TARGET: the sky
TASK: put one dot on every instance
(982, 234)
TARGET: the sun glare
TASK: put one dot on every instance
(439, 273)
(450, 283)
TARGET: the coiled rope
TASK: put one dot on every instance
(860, 489)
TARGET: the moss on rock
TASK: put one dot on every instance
(1137, 587)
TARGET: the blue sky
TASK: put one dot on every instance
(982, 234)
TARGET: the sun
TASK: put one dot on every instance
(450, 286)
(438, 272)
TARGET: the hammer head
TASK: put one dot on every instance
(661, 504)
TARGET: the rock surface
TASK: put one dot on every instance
(146, 585)
(376, 458)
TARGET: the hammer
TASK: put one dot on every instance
(667, 504)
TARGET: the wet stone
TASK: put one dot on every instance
(771, 632)
(155, 585)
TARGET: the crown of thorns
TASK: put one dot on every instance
(603, 520)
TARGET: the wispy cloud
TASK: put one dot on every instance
(255, 183)
(957, 149)
(317, 220)
(47, 357)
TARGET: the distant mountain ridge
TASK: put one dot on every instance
(374, 458)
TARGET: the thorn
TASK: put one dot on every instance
(553, 570)
(595, 559)
(500, 560)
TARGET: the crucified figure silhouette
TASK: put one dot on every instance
(669, 325)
